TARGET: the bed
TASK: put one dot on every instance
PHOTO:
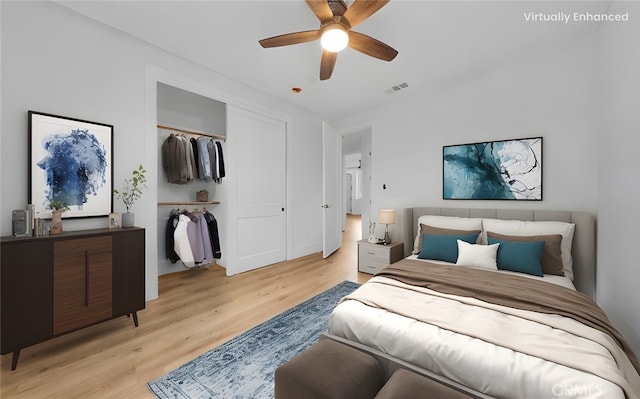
(498, 323)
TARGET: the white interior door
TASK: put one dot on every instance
(349, 193)
(259, 217)
(332, 209)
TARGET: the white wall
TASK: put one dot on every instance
(619, 184)
(182, 108)
(548, 93)
(57, 61)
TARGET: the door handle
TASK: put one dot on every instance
(325, 206)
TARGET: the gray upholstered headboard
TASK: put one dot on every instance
(584, 239)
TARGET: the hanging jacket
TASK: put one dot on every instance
(196, 157)
(170, 252)
(195, 240)
(221, 172)
(190, 159)
(181, 241)
(213, 159)
(213, 233)
(205, 236)
(174, 159)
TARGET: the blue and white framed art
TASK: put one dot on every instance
(70, 162)
(493, 170)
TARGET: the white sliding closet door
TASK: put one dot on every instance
(258, 233)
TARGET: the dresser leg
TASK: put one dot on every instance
(14, 359)
(135, 318)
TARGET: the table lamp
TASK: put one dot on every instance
(387, 217)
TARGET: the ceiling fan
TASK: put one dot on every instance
(336, 22)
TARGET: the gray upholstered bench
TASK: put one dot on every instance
(329, 370)
(405, 384)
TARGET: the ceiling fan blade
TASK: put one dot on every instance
(370, 46)
(321, 9)
(290, 38)
(327, 63)
(363, 9)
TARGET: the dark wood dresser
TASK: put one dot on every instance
(56, 284)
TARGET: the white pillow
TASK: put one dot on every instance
(527, 228)
(446, 222)
(477, 255)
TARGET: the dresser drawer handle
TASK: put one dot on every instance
(371, 253)
(86, 278)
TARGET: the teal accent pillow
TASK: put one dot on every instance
(445, 248)
(519, 256)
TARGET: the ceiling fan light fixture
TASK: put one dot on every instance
(334, 37)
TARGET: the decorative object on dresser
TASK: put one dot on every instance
(387, 217)
(20, 223)
(493, 170)
(115, 220)
(70, 161)
(57, 209)
(374, 257)
(52, 285)
(131, 192)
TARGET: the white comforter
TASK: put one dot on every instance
(542, 362)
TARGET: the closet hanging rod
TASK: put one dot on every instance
(189, 131)
(188, 203)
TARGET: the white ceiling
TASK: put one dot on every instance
(438, 42)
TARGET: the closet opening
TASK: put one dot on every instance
(191, 180)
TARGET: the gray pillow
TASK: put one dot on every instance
(439, 231)
(551, 253)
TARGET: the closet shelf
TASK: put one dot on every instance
(191, 131)
(190, 203)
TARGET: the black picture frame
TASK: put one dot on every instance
(493, 170)
(70, 161)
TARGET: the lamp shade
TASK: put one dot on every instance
(386, 216)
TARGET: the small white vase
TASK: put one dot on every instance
(128, 219)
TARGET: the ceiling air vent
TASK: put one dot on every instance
(397, 88)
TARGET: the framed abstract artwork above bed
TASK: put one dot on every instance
(493, 170)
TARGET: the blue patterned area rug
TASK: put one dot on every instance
(244, 366)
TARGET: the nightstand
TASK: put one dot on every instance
(374, 257)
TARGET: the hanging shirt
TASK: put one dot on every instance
(203, 159)
(211, 147)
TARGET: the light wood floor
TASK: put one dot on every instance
(195, 311)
